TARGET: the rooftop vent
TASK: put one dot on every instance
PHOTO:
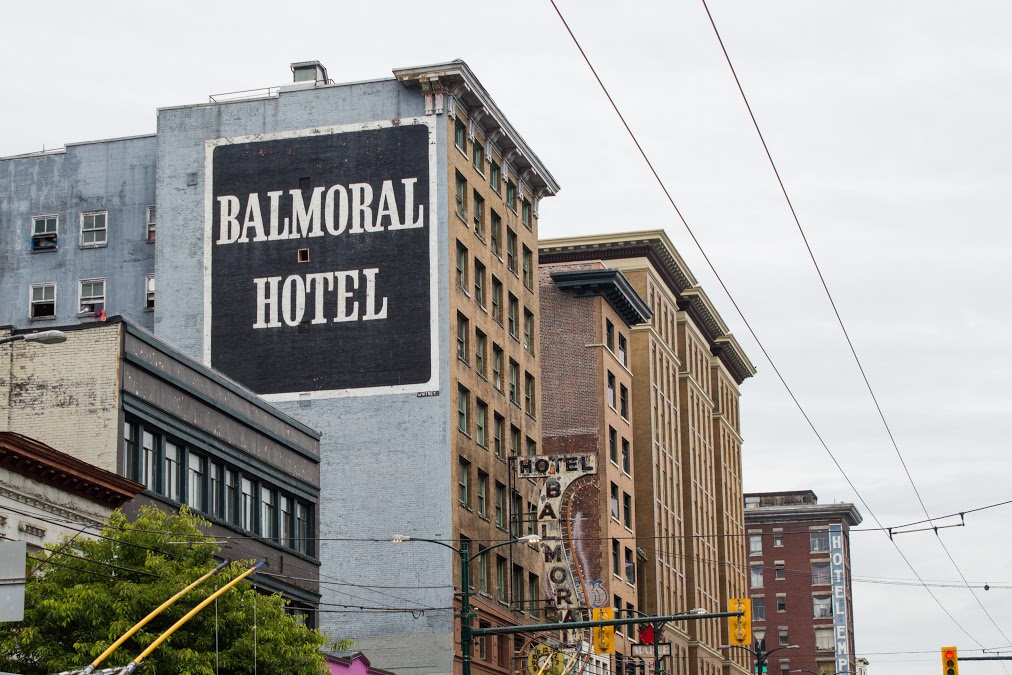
(309, 71)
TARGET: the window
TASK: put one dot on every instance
(616, 559)
(498, 428)
(463, 403)
(532, 449)
(529, 397)
(497, 300)
(630, 567)
(824, 639)
(625, 456)
(525, 212)
(528, 331)
(513, 315)
(43, 301)
(461, 266)
(511, 250)
(613, 444)
(518, 588)
(781, 602)
(463, 482)
(285, 520)
(482, 494)
(778, 539)
(246, 503)
(303, 544)
(494, 176)
(614, 502)
(480, 422)
(511, 194)
(514, 382)
(495, 233)
(479, 214)
(479, 283)
(755, 579)
(609, 335)
(483, 571)
(500, 580)
(497, 355)
(93, 228)
(785, 667)
(170, 469)
(782, 633)
(149, 291)
(623, 350)
(820, 573)
(195, 481)
(758, 608)
(822, 605)
(150, 220)
(459, 134)
(460, 207)
(478, 156)
(500, 505)
(463, 335)
(268, 507)
(533, 584)
(623, 401)
(528, 268)
(611, 389)
(779, 571)
(755, 544)
(44, 233)
(480, 346)
(820, 541)
(627, 510)
(92, 294)
(514, 441)
(231, 496)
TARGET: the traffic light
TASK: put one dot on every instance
(604, 636)
(950, 661)
(740, 627)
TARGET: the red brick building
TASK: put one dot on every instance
(799, 580)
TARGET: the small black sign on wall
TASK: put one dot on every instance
(319, 272)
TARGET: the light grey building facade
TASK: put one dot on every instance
(304, 249)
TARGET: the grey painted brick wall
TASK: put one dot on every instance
(117, 176)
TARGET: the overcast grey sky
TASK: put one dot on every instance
(889, 121)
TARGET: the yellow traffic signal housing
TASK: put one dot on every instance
(950, 661)
(604, 636)
(740, 627)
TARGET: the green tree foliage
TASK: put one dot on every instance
(75, 607)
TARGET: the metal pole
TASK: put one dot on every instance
(658, 627)
(465, 610)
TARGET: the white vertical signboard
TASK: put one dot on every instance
(839, 577)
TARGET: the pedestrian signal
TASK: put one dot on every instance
(604, 636)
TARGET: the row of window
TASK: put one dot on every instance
(626, 512)
(822, 606)
(480, 347)
(818, 539)
(511, 589)
(495, 296)
(481, 407)
(622, 354)
(494, 233)
(820, 574)
(521, 520)
(495, 175)
(623, 396)
(94, 229)
(626, 570)
(613, 451)
(205, 484)
(91, 295)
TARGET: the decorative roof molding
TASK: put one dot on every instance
(40, 462)
(456, 80)
(845, 513)
(612, 285)
(658, 249)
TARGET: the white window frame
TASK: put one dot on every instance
(32, 303)
(80, 295)
(149, 291)
(149, 219)
(104, 230)
(55, 234)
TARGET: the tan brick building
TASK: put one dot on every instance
(686, 369)
(589, 311)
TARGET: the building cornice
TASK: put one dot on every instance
(454, 80)
(41, 463)
(610, 284)
(845, 513)
(660, 252)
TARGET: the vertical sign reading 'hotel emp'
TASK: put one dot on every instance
(319, 260)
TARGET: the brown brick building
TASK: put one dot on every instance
(686, 369)
(588, 312)
(799, 580)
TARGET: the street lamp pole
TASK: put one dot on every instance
(759, 651)
(658, 627)
(466, 636)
